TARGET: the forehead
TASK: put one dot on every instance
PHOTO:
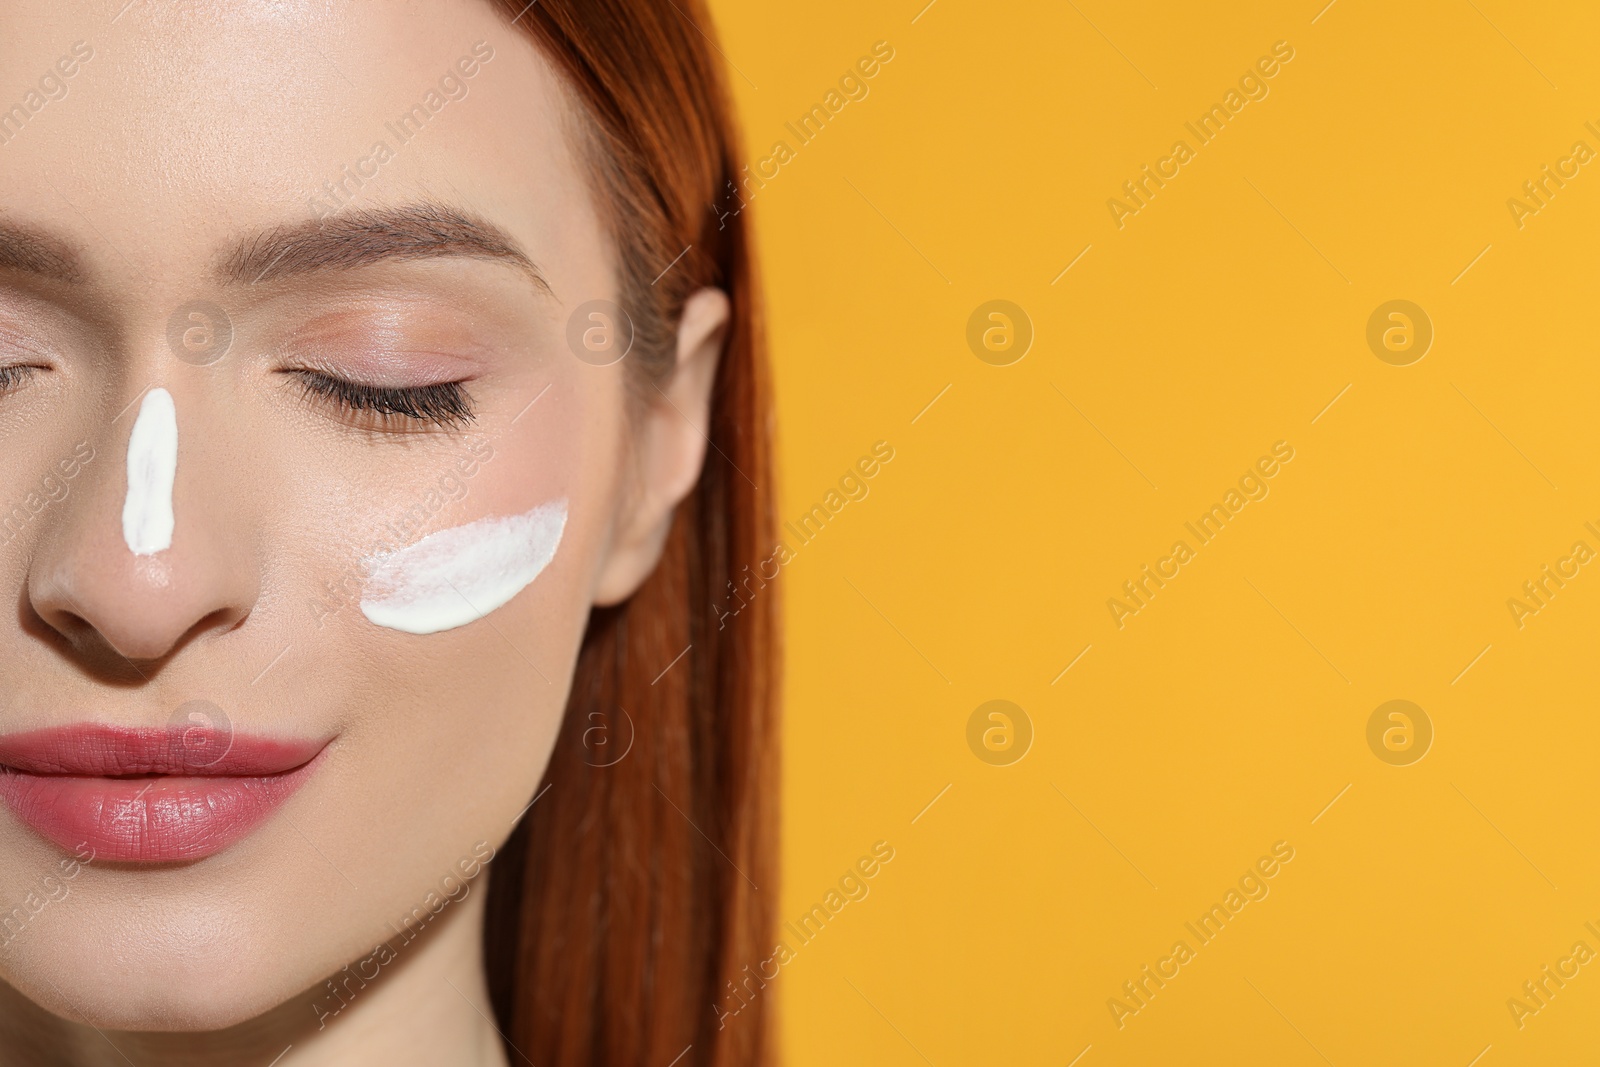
(152, 136)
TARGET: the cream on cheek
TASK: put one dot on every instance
(457, 576)
(147, 519)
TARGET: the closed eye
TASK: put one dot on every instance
(383, 407)
(15, 377)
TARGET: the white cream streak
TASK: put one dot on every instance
(459, 575)
(147, 520)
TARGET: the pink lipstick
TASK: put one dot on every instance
(149, 795)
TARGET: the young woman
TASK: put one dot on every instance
(384, 419)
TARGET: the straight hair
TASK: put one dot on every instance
(627, 906)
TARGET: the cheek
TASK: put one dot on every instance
(419, 540)
(448, 626)
(444, 737)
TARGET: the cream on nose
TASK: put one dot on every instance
(147, 519)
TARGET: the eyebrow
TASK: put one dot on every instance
(362, 238)
(31, 252)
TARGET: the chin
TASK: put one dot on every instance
(130, 969)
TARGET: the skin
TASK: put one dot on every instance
(184, 135)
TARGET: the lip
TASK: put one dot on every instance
(149, 795)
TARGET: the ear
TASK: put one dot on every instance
(668, 449)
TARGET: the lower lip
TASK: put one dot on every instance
(166, 819)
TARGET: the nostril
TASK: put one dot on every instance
(48, 606)
(75, 639)
(114, 584)
(124, 634)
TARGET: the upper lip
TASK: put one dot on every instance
(105, 751)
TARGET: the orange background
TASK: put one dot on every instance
(1228, 714)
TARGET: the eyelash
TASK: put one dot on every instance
(445, 404)
(11, 378)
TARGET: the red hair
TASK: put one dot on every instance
(626, 905)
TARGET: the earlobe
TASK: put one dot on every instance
(669, 448)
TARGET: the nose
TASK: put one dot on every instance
(107, 586)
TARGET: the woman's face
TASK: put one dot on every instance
(268, 722)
